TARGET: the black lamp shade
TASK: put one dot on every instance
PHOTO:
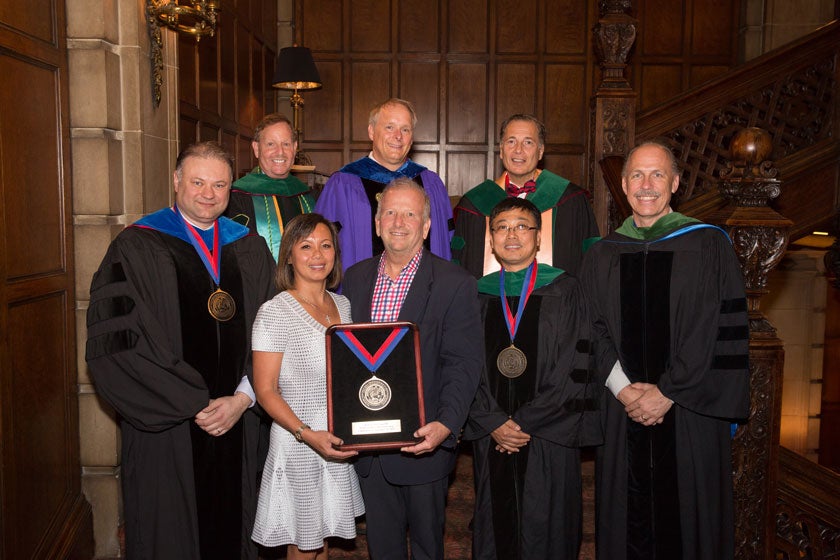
(295, 69)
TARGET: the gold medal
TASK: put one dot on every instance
(375, 394)
(511, 362)
(221, 305)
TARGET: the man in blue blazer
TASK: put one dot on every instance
(405, 491)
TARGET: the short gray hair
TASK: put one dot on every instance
(374, 113)
(675, 165)
(406, 183)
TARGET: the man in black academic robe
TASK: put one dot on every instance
(266, 199)
(171, 354)
(568, 224)
(667, 299)
(528, 421)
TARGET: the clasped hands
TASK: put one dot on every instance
(509, 437)
(644, 403)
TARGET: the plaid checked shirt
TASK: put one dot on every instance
(388, 295)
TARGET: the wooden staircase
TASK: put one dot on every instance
(794, 94)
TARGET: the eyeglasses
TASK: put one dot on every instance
(518, 228)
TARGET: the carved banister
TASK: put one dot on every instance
(808, 510)
(759, 235)
(614, 104)
(792, 93)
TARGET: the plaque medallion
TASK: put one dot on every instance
(221, 306)
(375, 394)
(511, 362)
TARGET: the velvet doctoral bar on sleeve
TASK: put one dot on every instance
(158, 357)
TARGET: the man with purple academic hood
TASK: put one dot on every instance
(353, 190)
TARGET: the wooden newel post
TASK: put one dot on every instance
(759, 235)
(614, 104)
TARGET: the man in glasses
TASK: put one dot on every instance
(536, 404)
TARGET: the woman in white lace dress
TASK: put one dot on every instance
(309, 492)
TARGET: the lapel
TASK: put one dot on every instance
(372, 266)
(417, 298)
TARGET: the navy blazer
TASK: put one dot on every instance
(443, 302)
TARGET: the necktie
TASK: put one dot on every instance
(512, 190)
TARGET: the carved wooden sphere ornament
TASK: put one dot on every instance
(751, 145)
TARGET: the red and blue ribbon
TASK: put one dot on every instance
(211, 260)
(372, 361)
(511, 320)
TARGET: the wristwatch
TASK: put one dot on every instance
(299, 432)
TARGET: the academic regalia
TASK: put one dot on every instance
(569, 226)
(528, 504)
(350, 197)
(266, 205)
(158, 357)
(668, 302)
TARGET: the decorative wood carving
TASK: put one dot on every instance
(759, 235)
(614, 37)
(797, 110)
(754, 452)
(614, 102)
(790, 92)
(807, 510)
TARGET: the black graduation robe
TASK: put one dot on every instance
(157, 357)
(673, 311)
(266, 205)
(572, 227)
(528, 504)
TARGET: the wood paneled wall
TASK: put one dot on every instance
(468, 64)
(465, 64)
(681, 44)
(42, 511)
(225, 81)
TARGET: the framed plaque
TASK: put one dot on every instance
(374, 385)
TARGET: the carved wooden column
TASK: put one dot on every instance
(760, 236)
(614, 105)
(830, 406)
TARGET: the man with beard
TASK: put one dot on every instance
(667, 299)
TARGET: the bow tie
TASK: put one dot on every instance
(512, 190)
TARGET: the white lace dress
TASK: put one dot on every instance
(303, 498)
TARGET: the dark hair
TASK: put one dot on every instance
(406, 183)
(298, 228)
(374, 113)
(527, 118)
(208, 150)
(274, 118)
(675, 166)
(514, 203)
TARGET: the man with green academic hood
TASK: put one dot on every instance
(666, 296)
(268, 197)
(536, 402)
